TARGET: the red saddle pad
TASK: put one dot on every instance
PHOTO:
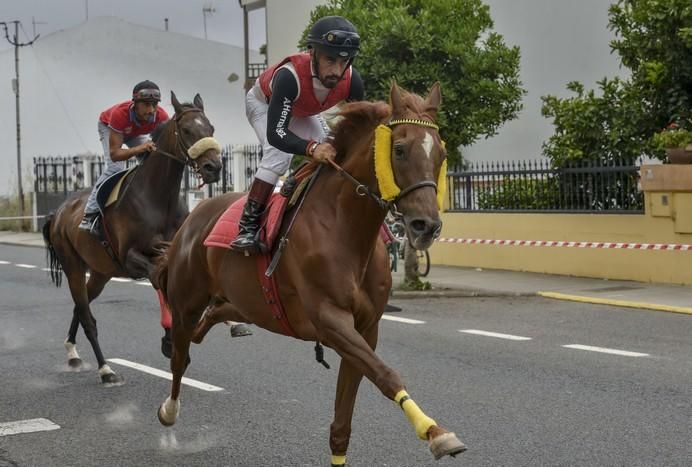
(226, 228)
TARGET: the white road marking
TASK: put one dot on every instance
(45, 269)
(4, 262)
(402, 320)
(164, 374)
(495, 334)
(26, 266)
(27, 426)
(143, 283)
(625, 353)
(120, 279)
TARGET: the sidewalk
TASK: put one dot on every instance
(449, 281)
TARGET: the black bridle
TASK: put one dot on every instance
(364, 190)
(179, 142)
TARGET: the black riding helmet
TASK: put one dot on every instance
(335, 35)
(146, 91)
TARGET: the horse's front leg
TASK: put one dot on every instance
(336, 328)
(346, 390)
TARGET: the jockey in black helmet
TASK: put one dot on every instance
(284, 105)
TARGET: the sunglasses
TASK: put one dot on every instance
(147, 94)
(342, 39)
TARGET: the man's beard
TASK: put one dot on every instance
(331, 81)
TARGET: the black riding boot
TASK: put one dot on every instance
(247, 240)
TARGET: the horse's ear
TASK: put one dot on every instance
(395, 99)
(434, 99)
(199, 103)
(176, 105)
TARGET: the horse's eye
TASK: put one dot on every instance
(399, 152)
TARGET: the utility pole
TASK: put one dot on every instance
(207, 9)
(15, 86)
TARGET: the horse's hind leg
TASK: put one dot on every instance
(73, 359)
(182, 334)
(82, 295)
(339, 332)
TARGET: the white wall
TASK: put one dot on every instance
(560, 41)
(67, 78)
(286, 21)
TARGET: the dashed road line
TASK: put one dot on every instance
(26, 266)
(402, 320)
(27, 426)
(625, 353)
(495, 334)
(164, 374)
(4, 262)
(120, 279)
(143, 283)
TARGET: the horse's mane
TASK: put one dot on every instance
(415, 105)
(357, 117)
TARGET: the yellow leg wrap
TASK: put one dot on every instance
(415, 415)
(338, 460)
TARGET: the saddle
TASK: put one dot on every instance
(226, 229)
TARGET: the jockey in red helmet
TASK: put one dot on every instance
(128, 123)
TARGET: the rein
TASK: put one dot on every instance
(364, 190)
(179, 143)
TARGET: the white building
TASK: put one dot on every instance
(67, 78)
(560, 41)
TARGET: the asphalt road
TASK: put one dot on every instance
(518, 398)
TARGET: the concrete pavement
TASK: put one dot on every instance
(473, 282)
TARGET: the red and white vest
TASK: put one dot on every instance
(307, 104)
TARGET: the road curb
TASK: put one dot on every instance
(613, 302)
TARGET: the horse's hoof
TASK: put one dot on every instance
(167, 345)
(240, 329)
(75, 363)
(162, 420)
(168, 412)
(112, 379)
(446, 444)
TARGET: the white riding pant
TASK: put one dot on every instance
(274, 162)
(111, 166)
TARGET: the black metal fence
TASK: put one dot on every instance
(531, 186)
(55, 178)
(68, 174)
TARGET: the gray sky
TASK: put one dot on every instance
(225, 24)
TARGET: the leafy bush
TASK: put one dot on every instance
(520, 194)
(672, 137)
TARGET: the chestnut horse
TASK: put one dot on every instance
(148, 213)
(333, 277)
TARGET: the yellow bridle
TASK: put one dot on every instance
(384, 172)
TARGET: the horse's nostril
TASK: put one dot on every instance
(418, 226)
(426, 227)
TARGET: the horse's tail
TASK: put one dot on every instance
(159, 278)
(51, 256)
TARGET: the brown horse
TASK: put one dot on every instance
(334, 276)
(148, 213)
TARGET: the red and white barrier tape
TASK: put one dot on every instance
(607, 245)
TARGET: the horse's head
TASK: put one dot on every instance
(417, 157)
(195, 134)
